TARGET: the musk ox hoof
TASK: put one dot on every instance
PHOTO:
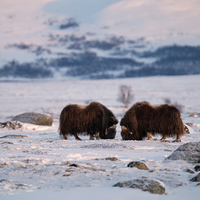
(149, 136)
(91, 137)
(77, 138)
(165, 141)
(177, 140)
(96, 136)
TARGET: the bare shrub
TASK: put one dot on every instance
(87, 101)
(176, 104)
(167, 100)
(125, 95)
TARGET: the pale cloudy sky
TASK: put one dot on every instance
(152, 19)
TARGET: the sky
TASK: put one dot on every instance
(154, 19)
(84, 10)
(160, 23)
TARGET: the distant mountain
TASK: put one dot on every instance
(169, 60)
(106, 39)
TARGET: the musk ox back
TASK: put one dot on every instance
(143, 120)
(95, 119)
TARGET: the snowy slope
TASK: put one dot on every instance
(36, 164)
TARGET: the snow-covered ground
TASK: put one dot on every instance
(36, 164)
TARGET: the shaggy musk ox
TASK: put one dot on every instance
(143, 120)
(95, 119)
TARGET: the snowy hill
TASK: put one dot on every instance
(102, 39)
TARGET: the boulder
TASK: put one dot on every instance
(197, 168)
(138, 164)
(34, 118)
(189, 152)
(153, 186)
(196, 178)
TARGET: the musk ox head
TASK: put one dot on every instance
(111, 128)
(126, 134)
(112, 121)
(111, 132)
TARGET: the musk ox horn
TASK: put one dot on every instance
(113, 126)
(124, 128)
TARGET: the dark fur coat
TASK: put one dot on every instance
(93, 118)
(143, 118)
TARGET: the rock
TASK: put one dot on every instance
(153, 186)
(11, 125)
(13, 136)
(196, 178)
(64, 175)
(34, 118)
(139, 165)
(190, 171)
(189, 152)
(186, 129)
(6, 143)
(197, 168)
(193, 115)
(73, 165)
(111, 158)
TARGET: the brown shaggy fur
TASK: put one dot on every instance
(94, 118)
(143, 118)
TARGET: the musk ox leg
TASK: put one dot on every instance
(163, 138)
(76, 137)
(149, 135)
(65, 137)
(178, 139)
(97, 136)
(91, 137)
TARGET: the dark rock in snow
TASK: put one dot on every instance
(197, 168)
(111, 158)
(13, 136)
(196, 178)
(189, 152)
(153, 186)
(34, 118)
(11, 125)
(138, 165)
(73, 165)
(190, 171)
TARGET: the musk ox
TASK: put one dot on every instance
(144, 119)
(95, 119)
